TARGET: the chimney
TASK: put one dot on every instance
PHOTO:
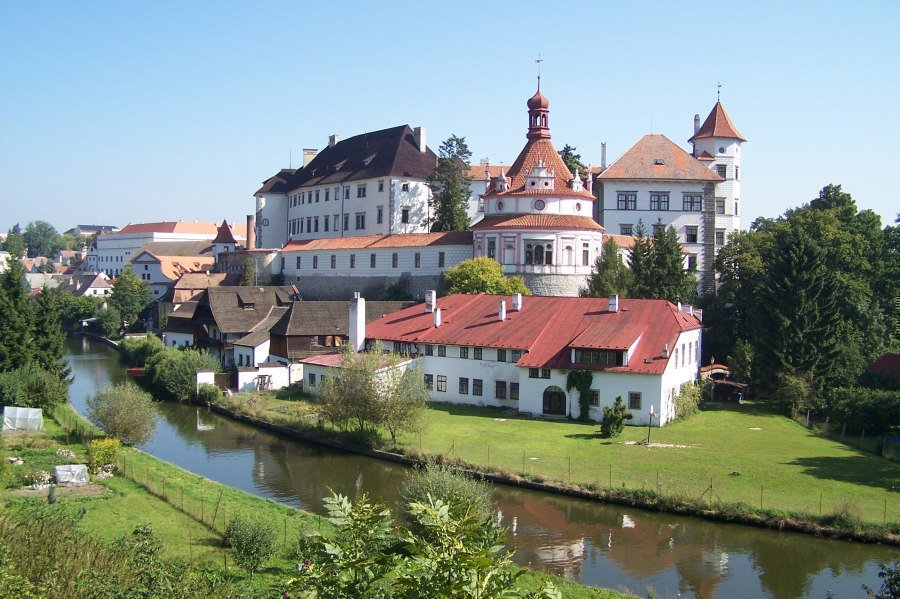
(665, 350)
(603, 156)
(309, 154)
(437, 317)
(696, 123)
(332, 140)
(517, 302)
(502, 313)
(251, 232)
(614, 303)
(430, 300)
(357, 322)
(419, 132)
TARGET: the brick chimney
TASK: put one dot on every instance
(251, 232)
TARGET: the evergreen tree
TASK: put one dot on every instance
(450, 186)
(49, 340)
(641, 265)
(610, 276)
(14, 243)
(670, 281)
(15, 319)
(572, 160)
(248, 278)
(130, 295)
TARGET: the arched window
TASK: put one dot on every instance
(538, 254)
(554, 401)
(548, 253)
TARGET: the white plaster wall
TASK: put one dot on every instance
(511, 250)
(179, 339)
(271, 219)
(205, 377)
(280, 375)
(453, 254)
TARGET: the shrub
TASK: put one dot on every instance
(253, 541)
(444, 482)
(174, 371)
(865, 409)
(102, 452)
(124, 411)
(209, 394)
(614, 419)
(31, 386)
(109, 321)
(687, 402)
(137, 350)
(796, 392)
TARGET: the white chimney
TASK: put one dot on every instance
(333, 139)
(419, 132)
(357, 322)
(502, 313)
(437, 317)
(665, 350)
(309, 154)
(603, 156)
(614, 303)
(430, 300)
(696, 123)
(517, 302)
(687, 309)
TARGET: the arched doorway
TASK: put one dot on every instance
(554, 401)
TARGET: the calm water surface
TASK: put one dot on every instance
(588, 542)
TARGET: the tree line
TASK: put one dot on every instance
(39, 238)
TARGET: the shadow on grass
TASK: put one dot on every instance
(505, 413)
(585, 436)
(857, 469)
(750, 408)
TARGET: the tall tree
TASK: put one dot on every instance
(130, 295)
(572, 160)
(450, 186)
(14, 243)
(15, 319)
(41, 239)
(48, 339)
(482, 275)
(609, 276)
(671, 281)
(248, 278)
(640, 262)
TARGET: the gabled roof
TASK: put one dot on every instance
(80, 284)
(277, 183)
(539, 151)
(546, 328)
(538, 221)
(202, 247)
(888, 363)
(477, 171)
(718, 124)
(261, 332)
(397, 240)
(240, 309)
(328, 318)
(655, 156)
(224, 234)
(387, 153)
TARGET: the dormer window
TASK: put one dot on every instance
(540, 177)
(600, 357)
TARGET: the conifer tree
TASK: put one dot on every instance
(248, 278)
(49, 340)
(669, 279)
(640, 264)
(15, 319)
(450, 186)
(609, 276)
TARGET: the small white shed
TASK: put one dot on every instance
(71, 474)
(23, 419)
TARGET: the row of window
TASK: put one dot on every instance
(690, 233)
(659, 201)
(539, 252)
(502, 355)
(112, 258)
(502, 389)
(314, 195)
(373, 260)
(690, 353)
(296, 225)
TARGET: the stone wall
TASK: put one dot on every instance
(373, 287)
(562, 285)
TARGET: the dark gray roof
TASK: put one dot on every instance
(240, 309)
(328, 318)
(260, 333)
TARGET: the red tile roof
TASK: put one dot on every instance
(706, 156)
(625, 242)
(886, 364)
(192, 227)
(225, 234)
(476, 171)
(398, 240)
(537, 221)
(535, 151)
(324, 360)
(658, 157)
(546, 328)
(718, 124)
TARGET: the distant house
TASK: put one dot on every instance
(35, 281)
(84, 230)
(162, 271)
(91, 285)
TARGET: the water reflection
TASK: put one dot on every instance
(585, 541)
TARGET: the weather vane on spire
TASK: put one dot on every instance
(718, 90)
(539, 60)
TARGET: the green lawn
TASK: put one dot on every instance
(739, 450)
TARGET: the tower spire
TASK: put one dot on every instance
(718, 91)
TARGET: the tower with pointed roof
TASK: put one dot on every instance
(537, 215)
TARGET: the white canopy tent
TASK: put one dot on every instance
(23, 419)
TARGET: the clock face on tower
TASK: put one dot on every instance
(539, 204)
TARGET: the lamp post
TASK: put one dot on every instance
(649, 424)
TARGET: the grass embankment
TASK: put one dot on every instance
(188, 513)
(742, 463)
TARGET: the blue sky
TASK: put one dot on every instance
(117, 112)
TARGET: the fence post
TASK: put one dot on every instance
(862, 438)
(807, 418)
(760, 497)
(610, 475)
(202, 507)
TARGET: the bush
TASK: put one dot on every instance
(455, 488)
(102, 452)
(209, 394)
(137, 350)
(109, 321)
(614, 419)
(796, 392)
(860, 408)
(253, 541)
(687, 402)
(124, 411)
(30, 386)
(174, 371)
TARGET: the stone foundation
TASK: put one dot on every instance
(371, 288)
(559, 285)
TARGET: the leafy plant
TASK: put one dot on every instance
(581, 379)
(614, 419)
(442, 481)
(125, 411)
(102, 452)
(31, 386)
(687, 401)
(253, 540)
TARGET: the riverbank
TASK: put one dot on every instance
(712, 466)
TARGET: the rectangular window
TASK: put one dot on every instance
(442, 351)
(317, 196)
(442, 383)
(692, 262)
(594, 398)
(463, 386)
(737, 173)
(464, 353)
(514, 391)
(360, 191)
(333, 261)
(545, 373)
(585, 254)
(722, 170)
(692, 202)
(327, 191)
(326, 221)
(429, 350)
(626, 201)
(360, 220)
(298, 262)
(404, 216)
(346, 193)
(658, 229)
(477, 387)
(534, 373)
(381, 185)
(316, 224)
(501, 355)
(492, 248)
(395, 259)
(303, 197)
(690, 234)
(634, 400)
(379, 215)
(308, 224)
(602, 357)
(720, 205)
(720, 237)
(515, 355)
(626, 230)
(315, 262)
(404, 187)
(659, 200)
(476, 353)
(418, 259)
(346, 222)
(312, 379)
(371, 260)
(441, 259)
(352, 260)
(736, 207)
(429, 381)
(500, 389)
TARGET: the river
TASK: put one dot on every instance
(585, 541)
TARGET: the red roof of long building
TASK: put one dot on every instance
(538, 221)
(396, 240)
(546, 328)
